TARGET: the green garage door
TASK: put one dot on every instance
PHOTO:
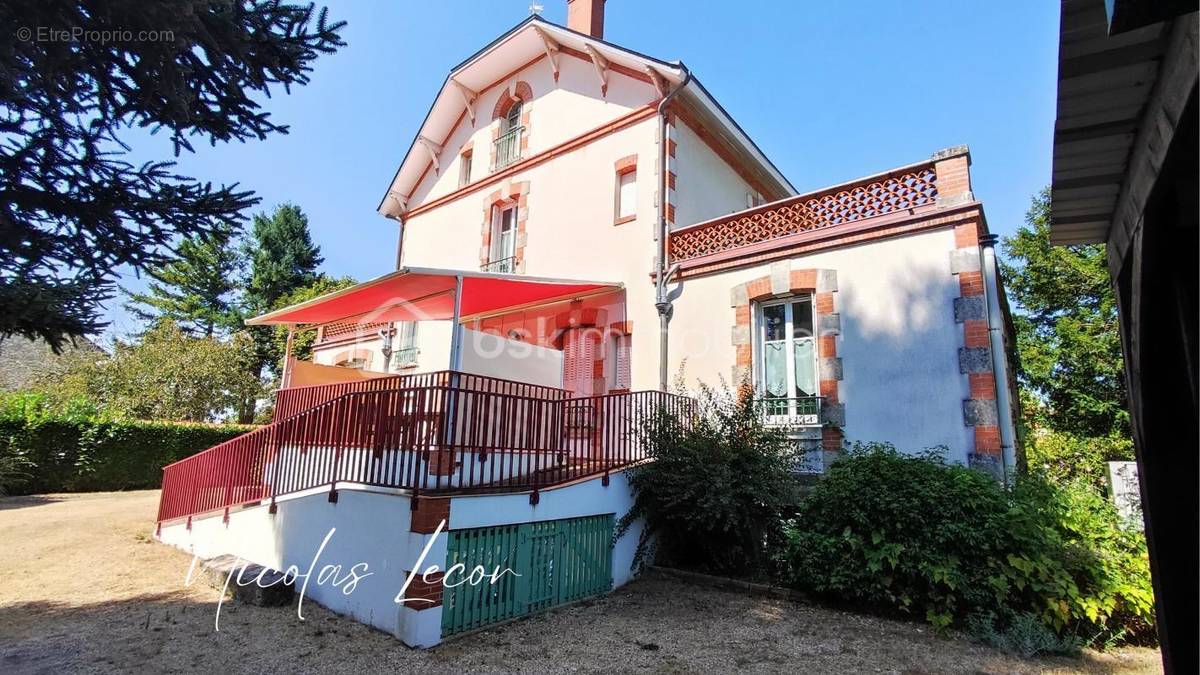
(558, 561)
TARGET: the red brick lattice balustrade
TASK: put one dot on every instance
(876, 196)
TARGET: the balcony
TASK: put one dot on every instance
(791, 413)
(508, 147)
(502, 266)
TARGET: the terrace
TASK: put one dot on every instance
(453, 431)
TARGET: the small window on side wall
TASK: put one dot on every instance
(626, 208)
(464, 168)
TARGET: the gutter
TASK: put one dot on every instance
(995, 319)
(662, 271)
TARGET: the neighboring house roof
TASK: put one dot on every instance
(1110, 68)
(531, 40)
(23, 361)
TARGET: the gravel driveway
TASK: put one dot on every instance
(86, 589)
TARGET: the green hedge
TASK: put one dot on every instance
(78, 455)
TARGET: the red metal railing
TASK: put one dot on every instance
(438, 433)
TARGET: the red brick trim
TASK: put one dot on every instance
(975, 354)
(821, 285)
(869, 229)
(430, 513)
(625, 164)
(424, 591)
(524, 94)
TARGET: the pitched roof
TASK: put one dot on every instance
(524, 43)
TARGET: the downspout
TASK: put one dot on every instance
(995, 319)
(662, 271)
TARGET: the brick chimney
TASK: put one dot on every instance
(587, 17)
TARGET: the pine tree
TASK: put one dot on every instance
(196, 290)
(73, 208)
(1066, 318)
(282, 257)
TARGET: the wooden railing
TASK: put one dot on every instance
(442, 433)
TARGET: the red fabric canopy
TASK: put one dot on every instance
(416, 294)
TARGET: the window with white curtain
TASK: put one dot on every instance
(786, 355)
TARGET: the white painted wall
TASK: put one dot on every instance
(899, 342)
(373, 528)
(559, 112)
(569, 231)
(495, 356)
(705, 185)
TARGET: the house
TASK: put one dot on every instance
(1125, 174)
(23, 362)
(577, 224)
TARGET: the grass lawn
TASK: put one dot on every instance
(87, 589)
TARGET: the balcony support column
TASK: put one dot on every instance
(285, 378)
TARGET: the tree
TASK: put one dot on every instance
(303, 342)
(72, 209)
(282, 258)
(1067, 335)
(195, 290)
(167, 375)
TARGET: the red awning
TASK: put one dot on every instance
(416, 294)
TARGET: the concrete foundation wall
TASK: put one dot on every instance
(373, 528)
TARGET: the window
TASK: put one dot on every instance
(464, 168)
(754, 199)
(508, 144)
(502, 256)
(405, 354)
(787, 360)
(619, 357)
(357, 363)
(512, 119)
(626, 196)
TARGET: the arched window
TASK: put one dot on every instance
(512, 119)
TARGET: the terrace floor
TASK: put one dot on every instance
(86, 589)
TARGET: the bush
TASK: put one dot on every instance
(1025, 636)
(917, 535)
(721, 484)
(1065, 458)
(75, 448)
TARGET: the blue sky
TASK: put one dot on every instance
(829, 90)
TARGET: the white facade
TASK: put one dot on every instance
(901, 380)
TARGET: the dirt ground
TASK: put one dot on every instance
(84, 588)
